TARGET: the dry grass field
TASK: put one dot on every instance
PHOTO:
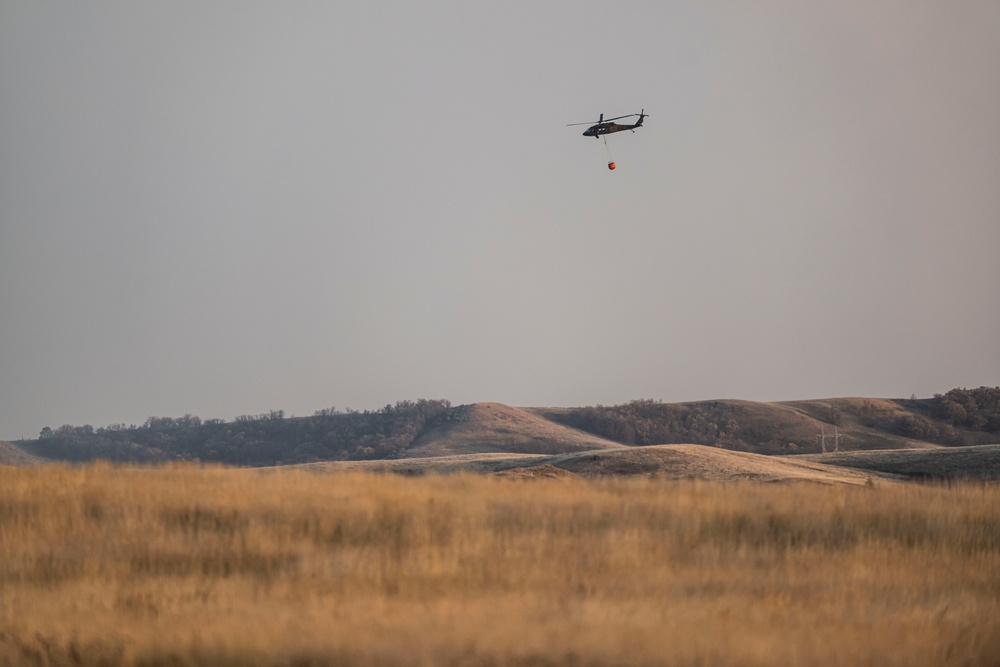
(206, 566)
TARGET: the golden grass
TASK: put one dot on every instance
(186, 566)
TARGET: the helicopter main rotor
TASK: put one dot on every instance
(601, 121)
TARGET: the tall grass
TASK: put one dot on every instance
(186, 565)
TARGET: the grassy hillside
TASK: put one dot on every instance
(980, 462)
(12, 455)
(794, 426)
(655, 461)
(419, 429)
(202, 566)
(494, 427)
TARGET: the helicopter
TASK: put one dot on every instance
(608, 126)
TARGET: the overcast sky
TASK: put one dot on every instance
(224, 208)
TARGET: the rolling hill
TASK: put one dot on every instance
(978, 462)
(767, 428)
(677, 462)
(661, 461)
(12, 455)
(494, 427)
(414, 431)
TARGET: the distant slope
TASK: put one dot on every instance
(980, 462)
(789, 427)
(706, 463)
(12, 455)
(494, 427)
(733, 424)
(434, 428)
(863, 423)
(664, 461)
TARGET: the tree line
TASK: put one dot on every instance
(953, 418)
(976, 409)
(251, 440)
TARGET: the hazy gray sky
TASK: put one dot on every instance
(225, 208)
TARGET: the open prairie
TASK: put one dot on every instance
(190, 565)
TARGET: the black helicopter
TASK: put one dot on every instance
(608, 127)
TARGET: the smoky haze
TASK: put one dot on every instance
(226, 208)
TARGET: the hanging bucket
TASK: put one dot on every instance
(611, 165)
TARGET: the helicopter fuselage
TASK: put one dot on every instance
(606, 128)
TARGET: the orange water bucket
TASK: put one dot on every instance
(611, 165)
